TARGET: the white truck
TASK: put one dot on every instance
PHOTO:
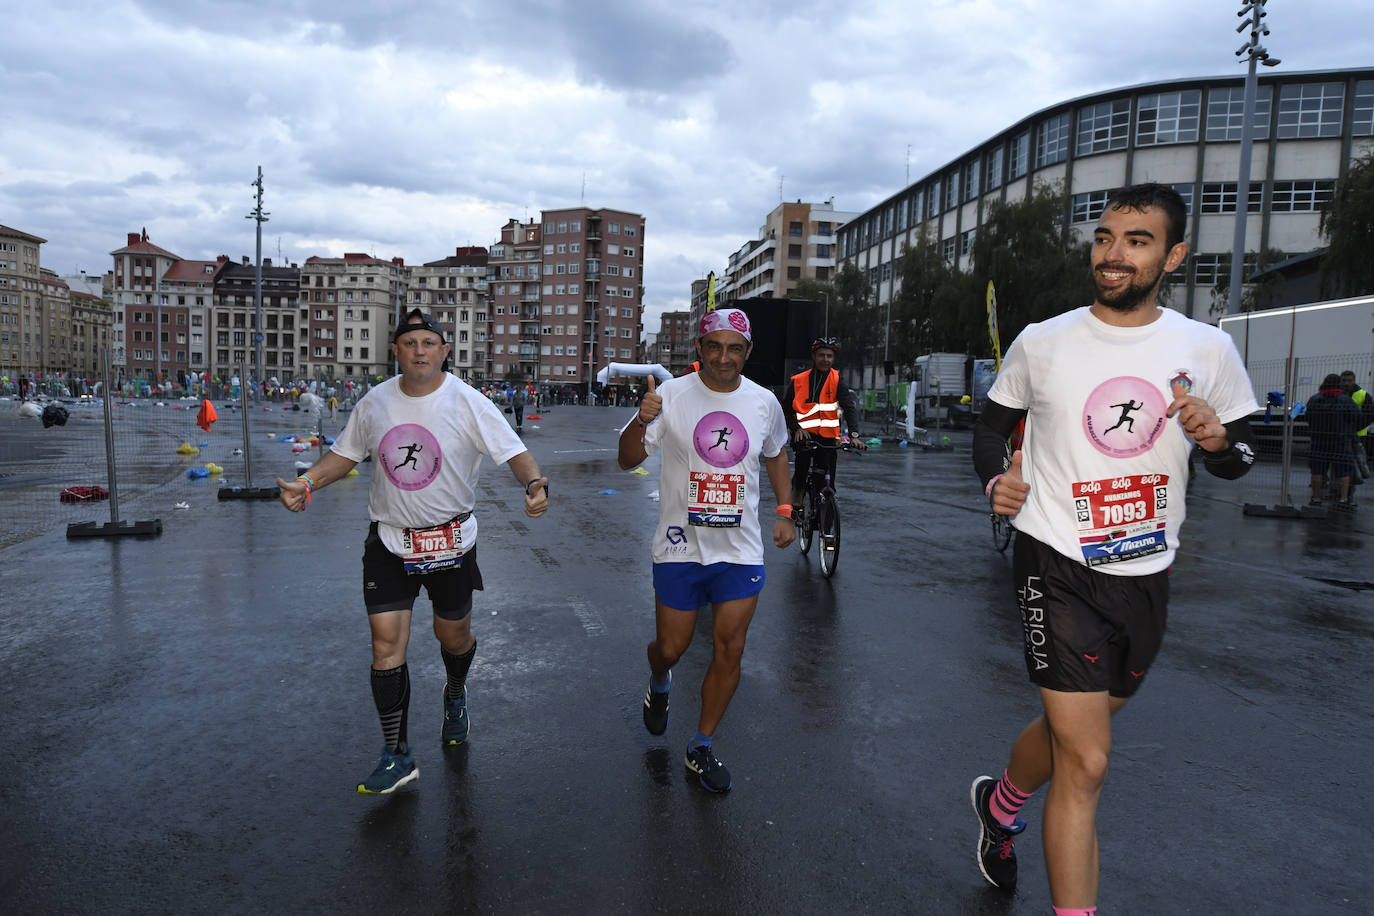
(938, 383)
(1341, 327)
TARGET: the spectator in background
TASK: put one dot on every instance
(1332, 419)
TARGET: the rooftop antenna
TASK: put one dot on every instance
(781, 178)
(908, 163)
(583, 199)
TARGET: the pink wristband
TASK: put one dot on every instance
(987, 491)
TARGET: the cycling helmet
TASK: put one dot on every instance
(829, 343)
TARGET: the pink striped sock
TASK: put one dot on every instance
(1006, 801)
(1075, 911)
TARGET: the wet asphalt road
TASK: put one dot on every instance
(187, 716)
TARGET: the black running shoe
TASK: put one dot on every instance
(713, 774)
(996, 857)
(656, 709)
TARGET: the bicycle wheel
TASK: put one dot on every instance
(829, 535)
(1001, 532)
(808, 520)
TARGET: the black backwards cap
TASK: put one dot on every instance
(416, 320)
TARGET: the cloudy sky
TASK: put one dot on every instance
(409, 127)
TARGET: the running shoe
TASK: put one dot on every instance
(996, 857)
(656, 709)
(713, 775)
(456, 722)
(393, 771)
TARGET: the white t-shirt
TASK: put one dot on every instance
(708, 485)
(1107, 470)
(427, 451)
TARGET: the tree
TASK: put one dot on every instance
(1039, 269)
(1258, 295)
(1347, 224)
(852, 316)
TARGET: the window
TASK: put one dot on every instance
(628, 251)
(1168, 117)
(1220, 197)
(574, 247)
(1052, 140)
(1186, 192)
(1226, 113)
(952, 189)
(1017, 156)
(794, 252)
(628, 272)
(1088, 207)
(992, 169)
(1362, 117)
(627, 313)
(794, 229)
(548, 249)
(630, 231)
(613, 228)
(966, 242)
(1310, 110)
(971, 187)
(933, 199)
(626, 333)
(1102, 127)
(947, 249)
(1301, 196)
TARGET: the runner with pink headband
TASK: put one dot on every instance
(725, 320)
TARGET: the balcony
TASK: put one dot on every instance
(529, 338)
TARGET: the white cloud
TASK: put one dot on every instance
(427, 128)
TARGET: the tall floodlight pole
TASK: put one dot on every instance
(260, 216)
(1255, 53)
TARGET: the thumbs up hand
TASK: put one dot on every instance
(650, 405)
(1009, 492)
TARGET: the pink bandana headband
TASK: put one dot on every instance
(725, 320)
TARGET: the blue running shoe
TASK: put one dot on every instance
(713, 775)
(393, 771)
(456, 722)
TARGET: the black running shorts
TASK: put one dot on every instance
(1086, 631)
(387, 586)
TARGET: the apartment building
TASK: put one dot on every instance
(347, 311)
(514, 294)
(92, 318)
(1185, 133)
(20, 302)
(229, 341)
(676, 342)
(595, 273)
(797, 240)
(144, 316)
(454, 291)
(54, 338)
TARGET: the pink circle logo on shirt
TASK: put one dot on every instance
(410, 457)
(1124, 416)
(720, 439)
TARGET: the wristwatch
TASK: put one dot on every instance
(532, 483)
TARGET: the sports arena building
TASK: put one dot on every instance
(1185, 133)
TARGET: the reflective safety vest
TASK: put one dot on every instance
(1358, 397)
(823, 417)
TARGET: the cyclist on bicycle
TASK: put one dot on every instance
(812, 404)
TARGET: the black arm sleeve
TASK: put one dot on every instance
(1236, 460)
(990, 436)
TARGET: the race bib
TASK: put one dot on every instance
(1121, 518)
(715, 500)
(425, 550)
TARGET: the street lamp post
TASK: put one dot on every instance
(1255, 54)
(261, 216)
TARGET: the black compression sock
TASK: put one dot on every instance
(391, 693)
(457, 667)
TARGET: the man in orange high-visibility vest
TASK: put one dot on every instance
(813, 403)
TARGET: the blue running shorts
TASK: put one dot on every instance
(687, 586)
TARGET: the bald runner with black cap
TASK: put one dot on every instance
(426, 432)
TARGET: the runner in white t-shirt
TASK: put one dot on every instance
(426, 432)
(714, 428)
(1115, 396)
